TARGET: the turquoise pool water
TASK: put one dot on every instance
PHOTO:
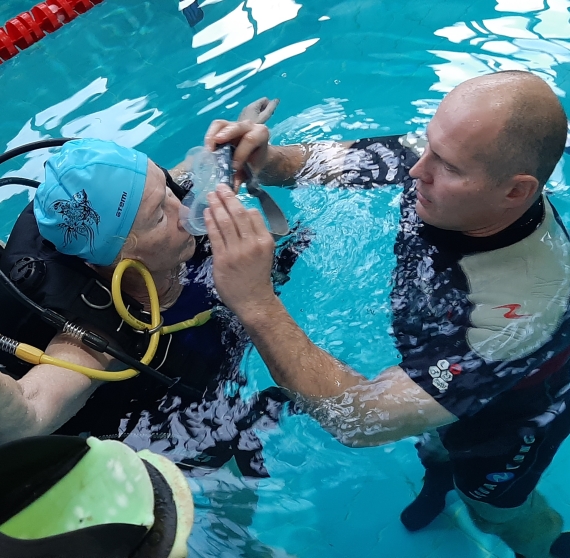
(134, 72)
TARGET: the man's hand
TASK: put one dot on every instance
(243, 253)
(250, 140)
(259, 111)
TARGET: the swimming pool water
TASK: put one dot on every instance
(136, 73)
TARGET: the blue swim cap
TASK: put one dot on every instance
(90, 197)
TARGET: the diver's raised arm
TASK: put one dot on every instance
(357, 411)
(47, 396)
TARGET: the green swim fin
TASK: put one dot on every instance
(65, 497)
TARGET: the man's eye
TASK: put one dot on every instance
(161, 219)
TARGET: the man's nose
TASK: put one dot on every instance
(421, 170)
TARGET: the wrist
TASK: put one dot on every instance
(259, 312)
(281, 165)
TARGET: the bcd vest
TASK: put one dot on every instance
(68, 286)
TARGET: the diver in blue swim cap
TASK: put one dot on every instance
(100, 203)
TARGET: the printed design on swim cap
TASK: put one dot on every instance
(79, 218)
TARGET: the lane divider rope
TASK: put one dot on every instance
(29, 27)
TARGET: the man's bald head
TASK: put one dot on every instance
(533, 129)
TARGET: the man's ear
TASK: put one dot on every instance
(521, 189)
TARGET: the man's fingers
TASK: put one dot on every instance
(253, 110)
(236, 212)
(267, 111)
(247, 136)
(239, 178)
(214, 129)
(229, 214)
(222, 219)
(229, 132)
(257, 136)
(259, 228)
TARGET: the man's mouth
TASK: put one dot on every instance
(421, 198)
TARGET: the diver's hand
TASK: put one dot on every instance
(250, 140)
(259, 111)
(242, 248)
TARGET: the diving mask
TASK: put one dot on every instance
(207, 170)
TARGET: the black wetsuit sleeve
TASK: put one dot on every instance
(455, 376)
(367, 163)
(380, 161)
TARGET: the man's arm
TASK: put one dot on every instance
(47, 396)
(258, 112)
(359, 412)
(276, 165)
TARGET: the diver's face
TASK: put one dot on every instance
(454, 190)
(161, 241)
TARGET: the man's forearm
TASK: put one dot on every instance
(317, 163)
(293, 360)
(356, 411)
(283, 164)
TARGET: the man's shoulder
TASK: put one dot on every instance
(519, 293)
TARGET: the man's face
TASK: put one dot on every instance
(162, 241)
(454, 191)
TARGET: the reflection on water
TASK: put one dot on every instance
(522, 42)
(321, 121)
(369, 68)
(250, 18)
(248, 70)
(128, 122)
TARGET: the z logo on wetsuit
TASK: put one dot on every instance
(511, 314)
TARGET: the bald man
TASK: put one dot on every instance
(480, 301)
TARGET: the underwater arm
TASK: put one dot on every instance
(47, 396)
(385, 409)
(359, 412)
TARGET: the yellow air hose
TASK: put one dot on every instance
(36, 356)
